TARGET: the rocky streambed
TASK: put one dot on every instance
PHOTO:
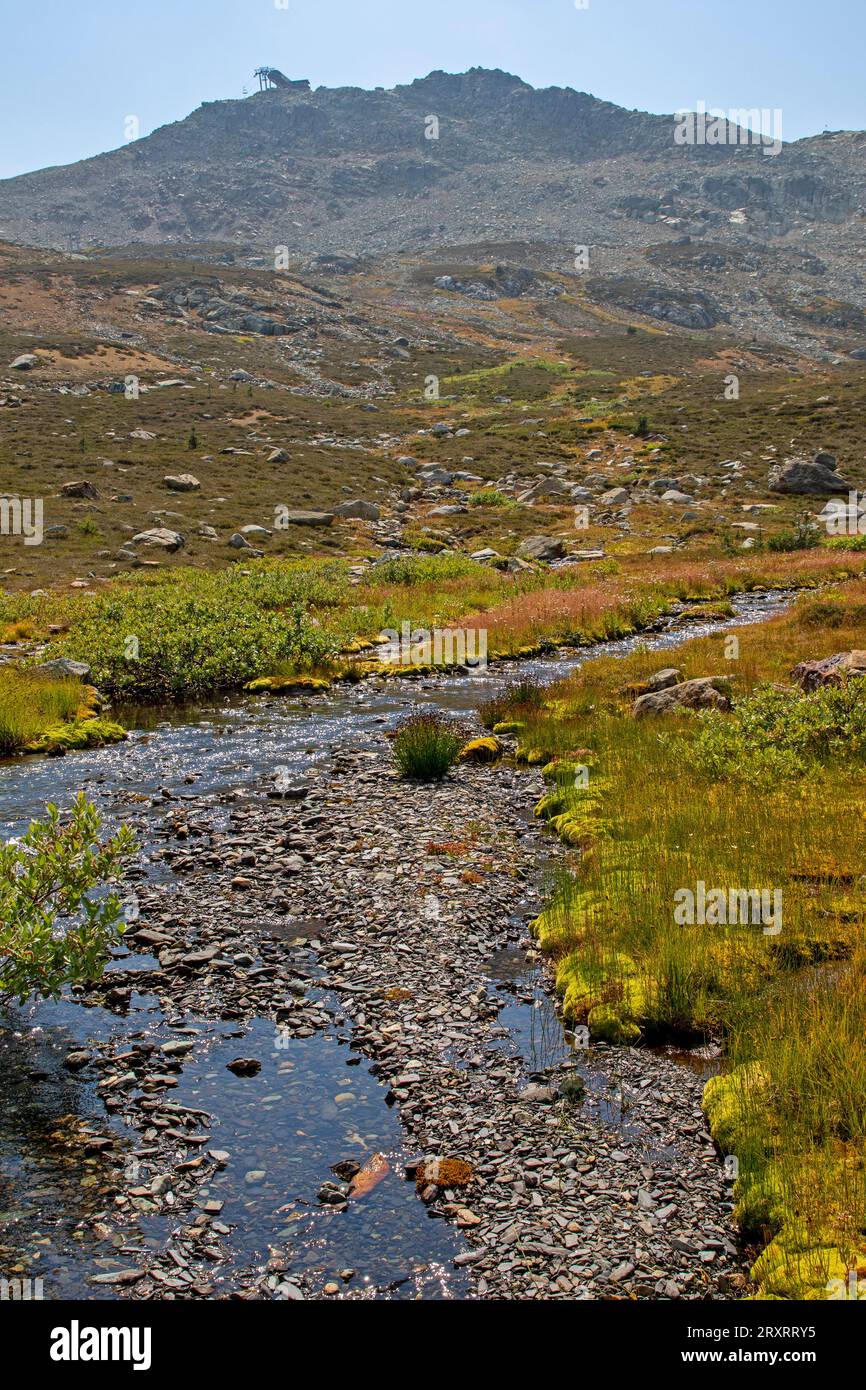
(327, 1061)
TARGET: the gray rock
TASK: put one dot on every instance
(545, 548)
(706, 692)
(25, 363)
(664, 679)
(307, 518)
(62, 667)
(815, 477)
(79, 488)
(182, 482)
(162, 537)
(358, 510)
(614, 497)
(546, 487)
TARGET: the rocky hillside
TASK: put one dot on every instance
(694, 236)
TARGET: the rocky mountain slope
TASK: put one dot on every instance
(694, 236)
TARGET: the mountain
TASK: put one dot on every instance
(695, 235)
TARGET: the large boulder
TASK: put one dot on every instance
(614, 497)
(706, 692)
(833, 670)
(25, 363)
(79, 488)
(546, 487)
(162, 537)
(305, 518)
(434, 476)
(816, 477)
(541, 548)
(63, 668)
(182, 482)
(358, 510)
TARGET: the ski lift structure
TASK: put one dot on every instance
(269, 78)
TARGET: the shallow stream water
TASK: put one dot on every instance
(313, 1101)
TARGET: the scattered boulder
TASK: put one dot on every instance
(706, 692)
(307, 518)
(162, 537)
(62, 668)
(182, 482)
(278, 456)
(546, 487)
(25, 363)
(833, 670)
(663, 680)
(239, 542)
(79, 488)
(815, 477)
(674, 495)
(614, 497)
(544, 548)
(358, 510)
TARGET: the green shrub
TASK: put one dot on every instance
(780, 734)
(426, 746)
(489, 497)
(425, 569)
(804, 536)
(188, 633)
(53, 929)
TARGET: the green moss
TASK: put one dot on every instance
(82, 733)
(509, 726)
(604, 992)
(481, 750)
(727, 1100)
(532, 756)
(287, 685)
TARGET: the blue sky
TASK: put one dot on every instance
(72, 71)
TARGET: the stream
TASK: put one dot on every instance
(315, 1098)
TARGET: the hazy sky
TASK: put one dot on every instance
(72, 71)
